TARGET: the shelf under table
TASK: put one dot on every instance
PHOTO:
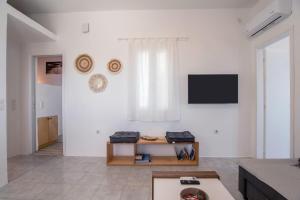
(121, 160)
(114, 160)
(170, 161)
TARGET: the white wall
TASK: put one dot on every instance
(3, 150)
(13, 95)
(216, 45)
(277, 73)
(49, 102)
(292, 26)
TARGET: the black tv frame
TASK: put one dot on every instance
(213, 102)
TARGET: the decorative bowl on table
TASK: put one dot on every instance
(149, 138)
(193, 194)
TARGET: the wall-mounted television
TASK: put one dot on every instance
(212, 88)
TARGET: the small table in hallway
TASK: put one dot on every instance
(166, 185)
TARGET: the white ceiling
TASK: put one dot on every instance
(54, 6)
(23, 33)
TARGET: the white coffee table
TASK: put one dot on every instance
(166, 185)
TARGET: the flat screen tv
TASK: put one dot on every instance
(212, 89)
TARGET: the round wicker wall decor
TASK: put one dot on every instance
(84, 63)
(97, 83)
(114, 65)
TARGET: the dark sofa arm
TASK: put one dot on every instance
(254, 189)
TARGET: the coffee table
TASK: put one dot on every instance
(166, 185)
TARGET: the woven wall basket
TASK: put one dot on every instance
(97, 83)
(114, 66)
(84, 63)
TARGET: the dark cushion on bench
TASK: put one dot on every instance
(125, 137)
(176, 137)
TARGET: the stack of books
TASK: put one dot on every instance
(185, 153)
(142, 159)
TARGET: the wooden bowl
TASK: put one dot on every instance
(193, 194)
(149, 138)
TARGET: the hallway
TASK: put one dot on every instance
(55, 149)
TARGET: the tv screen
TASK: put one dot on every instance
(213, 89)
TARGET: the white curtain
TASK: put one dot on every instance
(153, 80)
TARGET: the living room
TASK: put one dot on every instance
(102, 45)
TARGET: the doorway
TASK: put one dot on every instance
(274, 100)
(48, 137)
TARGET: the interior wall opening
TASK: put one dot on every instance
(274, 116)
(48, 105)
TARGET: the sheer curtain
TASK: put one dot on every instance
(153, 81)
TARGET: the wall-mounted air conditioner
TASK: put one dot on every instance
(275, 12)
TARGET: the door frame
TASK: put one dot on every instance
(33, 109)
(261, 131)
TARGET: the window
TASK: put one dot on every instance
(153, 83)
(143, 79)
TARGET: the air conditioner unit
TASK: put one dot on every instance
(275, 12)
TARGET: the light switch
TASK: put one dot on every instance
(41, 105)
(2, 105)
(85, 28)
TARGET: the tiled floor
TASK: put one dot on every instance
(55, 149)
(83, 178)
(20, 165)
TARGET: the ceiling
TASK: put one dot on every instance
(23, 33)
(55, 6)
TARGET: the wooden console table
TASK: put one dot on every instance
(115, 160)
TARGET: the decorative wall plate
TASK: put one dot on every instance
(114, 66)
(84, 63)
(98, 83)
